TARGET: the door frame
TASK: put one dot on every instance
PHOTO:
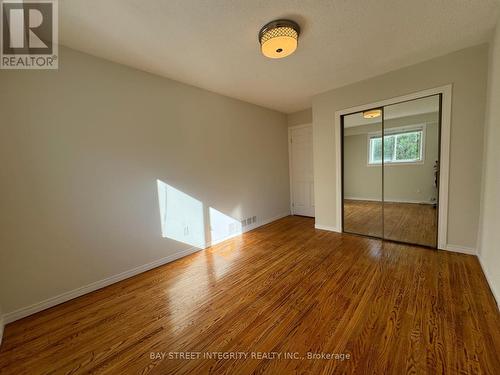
(290, 172)
(444, 149)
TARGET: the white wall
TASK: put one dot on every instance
(82, 149)
(489, 239)
(467, 71)
(412, 183)
(300, 117)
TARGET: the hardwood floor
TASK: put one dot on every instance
(406, 222)
(286, 288)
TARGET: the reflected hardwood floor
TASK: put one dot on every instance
(407, 222)
(284, 287)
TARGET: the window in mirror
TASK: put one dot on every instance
(402, 145)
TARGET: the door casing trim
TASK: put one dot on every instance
(446, 92)
(290, 173)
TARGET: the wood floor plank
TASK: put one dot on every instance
(285, 288)
(405, 222)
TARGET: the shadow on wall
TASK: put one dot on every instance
(183, 219)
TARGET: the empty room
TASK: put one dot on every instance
(249, 187)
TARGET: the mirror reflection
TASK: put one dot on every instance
(411, 159)
(390, 159)
(362, 173)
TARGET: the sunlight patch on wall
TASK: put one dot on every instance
(181, 216)
(222, 226)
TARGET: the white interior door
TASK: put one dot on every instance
(301, 170)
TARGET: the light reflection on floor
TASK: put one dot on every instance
(184, 219)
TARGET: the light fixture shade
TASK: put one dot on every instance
(279, 38)
(372, 113)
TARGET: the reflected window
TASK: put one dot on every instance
(400, 146)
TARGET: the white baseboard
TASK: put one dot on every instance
(53, 301)
(218, 241)
(412, 201)
(460, 249)
(328, 228)
(495, 292)
(388, 200)
(362, 199)
(248, 229)
(448, 247)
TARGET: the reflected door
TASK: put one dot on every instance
(362, 146)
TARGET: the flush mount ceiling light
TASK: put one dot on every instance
(279, 38)
(372, 113)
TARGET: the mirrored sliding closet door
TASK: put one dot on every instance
(362, 177)
(390, 169)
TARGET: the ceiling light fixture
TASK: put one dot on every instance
(372, 113)
(279, 38)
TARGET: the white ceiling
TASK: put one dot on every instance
(213, 44)
(411, 108)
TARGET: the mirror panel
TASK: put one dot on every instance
(410, 178)
(362, 173)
